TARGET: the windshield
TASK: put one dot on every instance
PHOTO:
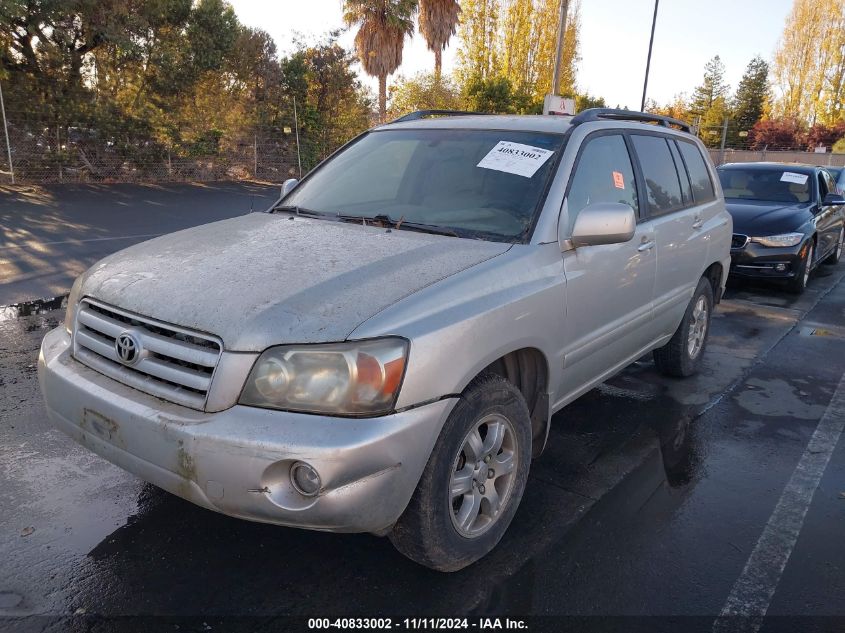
(770, 185)
(477, 183)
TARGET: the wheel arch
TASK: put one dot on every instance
(714, 274)
(528, 370)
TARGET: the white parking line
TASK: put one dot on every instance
(753, 590)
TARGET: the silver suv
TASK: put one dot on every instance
(383, 350)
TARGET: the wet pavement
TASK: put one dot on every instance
(50, 234)
(650, 500)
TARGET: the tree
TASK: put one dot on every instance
(517, 40)
(382, 28)
(752, 97)
(423, 92)
(712, 87)
(438, 23)
(478, 54)
(809, 64)
(777, 134)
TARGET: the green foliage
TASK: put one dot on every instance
(144, 82)
(496, 95)
(839, 146)
(423, 92)
(751, 99)
(587, 101)
(712, 87)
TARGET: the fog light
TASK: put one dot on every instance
(780, 267)
(305, 479)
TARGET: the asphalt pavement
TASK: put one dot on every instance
(678, 498)
(50, 234)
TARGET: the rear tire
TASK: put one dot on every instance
(462, 505)
(836, 255)
(798, 284)
(681, 356)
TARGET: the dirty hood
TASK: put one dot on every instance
(262, 279)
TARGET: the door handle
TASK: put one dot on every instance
(646, 245)
(697, 223)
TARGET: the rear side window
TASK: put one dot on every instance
(661, 178)
(603, 174)
(702, 186)
(682, 173)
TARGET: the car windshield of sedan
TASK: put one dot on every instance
(769, 185)
(485, 184)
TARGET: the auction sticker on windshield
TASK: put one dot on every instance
(790, 176)
(515, 158)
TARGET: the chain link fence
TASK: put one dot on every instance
(79, 153)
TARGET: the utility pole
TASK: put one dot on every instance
(724, 138)
(561, 35)
(6, 130)
(296, 127)
(648, 60)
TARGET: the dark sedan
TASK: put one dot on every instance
(788, 219)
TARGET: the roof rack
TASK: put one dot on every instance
(423, 114)
(598, 114)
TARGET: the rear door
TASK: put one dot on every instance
(608, 287)
(680, 205)
(828, 217)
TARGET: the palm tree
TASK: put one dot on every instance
(438, 23)
(382, 27)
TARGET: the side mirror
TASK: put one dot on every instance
(287, 185)
(833, 199)
(604, 223)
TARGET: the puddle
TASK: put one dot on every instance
(31, 308)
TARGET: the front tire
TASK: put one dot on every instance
(798, 284)
(474, 480)
(836, 255)
(681, 356)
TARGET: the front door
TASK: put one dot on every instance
(609, 288)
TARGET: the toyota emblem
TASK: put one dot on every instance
(128, 348)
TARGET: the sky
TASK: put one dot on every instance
(614, 40)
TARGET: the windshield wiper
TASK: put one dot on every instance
(400, 224)
(310, 213)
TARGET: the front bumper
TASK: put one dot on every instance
(765, 262)
(238, 461)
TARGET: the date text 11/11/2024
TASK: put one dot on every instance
(414, 624)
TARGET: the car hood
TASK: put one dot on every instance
(767, 218)
(262, 279)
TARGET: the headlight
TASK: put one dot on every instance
(787, 239)
(72, 300)
(356, 378)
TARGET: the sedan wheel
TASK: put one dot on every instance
(802, 274)
(837, 252)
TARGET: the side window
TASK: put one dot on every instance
(661, 177)
(603, 174)
(826, 184)
(702, 186)
(682, 173)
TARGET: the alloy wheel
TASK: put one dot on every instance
(698, 328)
(483, 474)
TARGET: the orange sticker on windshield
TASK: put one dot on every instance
(618, 180)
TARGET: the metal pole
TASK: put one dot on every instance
(6, 130)
(561, 35)
(296, 127)
(255, 156)
(724, 137)
(648, 60)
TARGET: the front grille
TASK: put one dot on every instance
(739, 241)
(173, 363)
